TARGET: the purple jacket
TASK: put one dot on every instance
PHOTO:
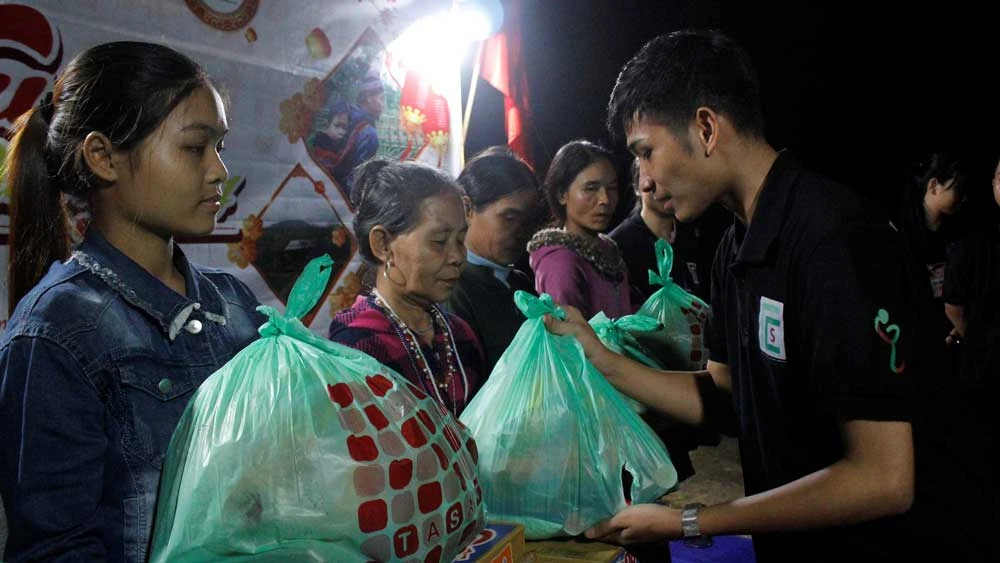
(573, 280)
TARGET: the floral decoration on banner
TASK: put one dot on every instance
(298, 111)
(244, 252)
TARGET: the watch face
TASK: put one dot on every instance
(227, 15)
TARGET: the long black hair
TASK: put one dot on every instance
(493, 174)
(942, 166)
(568, 162)
(123, 90)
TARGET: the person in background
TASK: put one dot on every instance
(935, 193)
(107, 342)
(362, 143)
(575, 262)
(501, 201)
(652, 219)
(329, 142)
(410, 226)
(972, 295)
(972, 302)
(815, 341)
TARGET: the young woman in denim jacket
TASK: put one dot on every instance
(108, 341)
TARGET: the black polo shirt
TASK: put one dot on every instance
(972, 281)
(813, 306)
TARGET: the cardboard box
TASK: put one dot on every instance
(575, 551)
(498, 543)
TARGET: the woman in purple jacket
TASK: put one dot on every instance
(576, 263)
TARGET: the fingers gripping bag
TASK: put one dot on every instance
(301, 449)
(554, 435)
(618, 336)
(680, 344)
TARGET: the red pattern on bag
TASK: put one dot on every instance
(373, 410)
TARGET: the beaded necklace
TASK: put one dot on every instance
(452, 366)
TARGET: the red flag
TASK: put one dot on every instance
(503, 67)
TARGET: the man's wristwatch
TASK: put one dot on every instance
(689, 520)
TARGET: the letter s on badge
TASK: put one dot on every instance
(771, 328)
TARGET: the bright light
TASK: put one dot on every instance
(434, 46)
(478, 19)
(473, 24)
(430, 47)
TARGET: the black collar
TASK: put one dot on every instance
(769, 216)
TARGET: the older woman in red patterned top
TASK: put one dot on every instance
(410, 224)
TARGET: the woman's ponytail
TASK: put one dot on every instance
(38, 224)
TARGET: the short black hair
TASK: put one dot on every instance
(943, 166)
(495, 173)
(675, 74)
(568, 162)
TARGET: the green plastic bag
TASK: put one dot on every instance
(301, 449)
(618, 336)
(554, 435)
(680, 344)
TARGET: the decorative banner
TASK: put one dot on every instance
(30, 53)
(226, 15)
(336, 117)
(316, 87)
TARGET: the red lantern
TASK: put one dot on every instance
(413, 102)
(438, 123)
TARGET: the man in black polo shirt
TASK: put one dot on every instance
(814, 334)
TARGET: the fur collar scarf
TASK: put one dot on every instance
(602, 253)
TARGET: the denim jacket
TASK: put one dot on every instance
(97, 364)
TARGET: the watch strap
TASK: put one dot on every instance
(689, 520)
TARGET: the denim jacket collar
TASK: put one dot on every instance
(142, 290)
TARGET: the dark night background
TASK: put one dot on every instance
(856, 90)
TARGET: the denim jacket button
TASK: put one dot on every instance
(165, 385)
(193, 326)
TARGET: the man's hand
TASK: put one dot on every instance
(578, 327)
(954, 337)
(640, 523)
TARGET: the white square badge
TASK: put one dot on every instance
(771, 328)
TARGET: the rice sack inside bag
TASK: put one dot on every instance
(301, 449)
(554, 435)
(680, 344)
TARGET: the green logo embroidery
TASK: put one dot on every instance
(890, 335)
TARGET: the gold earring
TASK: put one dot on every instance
(388, 264)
